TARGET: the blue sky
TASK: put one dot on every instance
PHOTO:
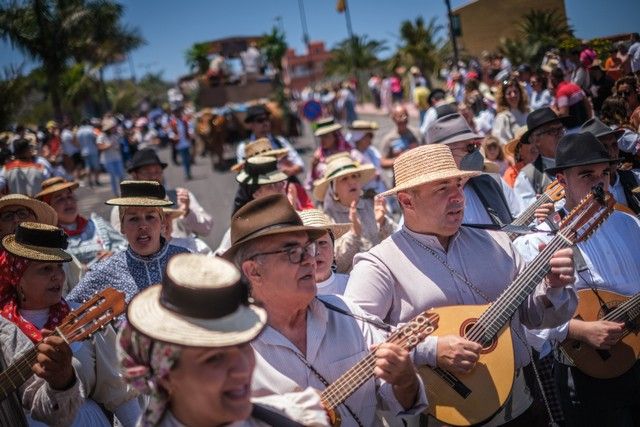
(170, 27)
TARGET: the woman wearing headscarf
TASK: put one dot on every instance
(340, 189)
(186, 346)
(90, 239)
(327, 280)
(31, 282)
(142, 263)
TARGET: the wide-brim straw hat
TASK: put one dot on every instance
(261, 170)
(259, 147)
(337, 167)
(326, 125)
(38, 242)
(364, 125)
(317, 218)
(425, 164)
(43, 212)
(54, 185)
(510, 147)
(201, 303)
(141, 193)
(173, 213)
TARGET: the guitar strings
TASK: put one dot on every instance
(613, 314)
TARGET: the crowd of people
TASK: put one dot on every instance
(324, 260)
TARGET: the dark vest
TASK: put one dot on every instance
(628, 182)
(490, 194)
(536, 175)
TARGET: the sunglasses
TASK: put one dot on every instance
(555, 131)
(295, 254)
(20, 214)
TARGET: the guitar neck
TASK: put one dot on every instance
(625, 312)
(500, 312)
(15, 375)
(528, 215)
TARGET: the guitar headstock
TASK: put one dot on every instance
(554, 191)
(590, 213)
(418, 329)
(91, 316)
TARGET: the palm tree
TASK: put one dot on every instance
(519, 51)
(545, 26)
(53, 32)
(197, 58)
(421, 45)
(356, 54)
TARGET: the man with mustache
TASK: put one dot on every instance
(433, 261)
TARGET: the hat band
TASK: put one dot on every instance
(56, 239)
(255, 170)
(340, 169)
(451, 135)
(269, 228)
(201, 303)
(142, 190)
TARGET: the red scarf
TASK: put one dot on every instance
(81, 224)
(11, 270)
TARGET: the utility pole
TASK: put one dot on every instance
(452, 35)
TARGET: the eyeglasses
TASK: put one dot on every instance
(471, 148)
(261, 119)
(625, 93)
(295, 254)
(20, 214)
(554, 131)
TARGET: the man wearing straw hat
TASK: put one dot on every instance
(18, 208)
(433, 261)
(488, 199)
(310, 341)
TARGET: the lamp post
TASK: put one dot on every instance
(452, 34)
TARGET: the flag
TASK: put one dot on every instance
(341, 6)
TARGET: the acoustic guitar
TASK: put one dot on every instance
(606, 305)
(407, 337)
(78, 325)
(461, 400)
(553, 193)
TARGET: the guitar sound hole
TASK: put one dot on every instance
(465, 330)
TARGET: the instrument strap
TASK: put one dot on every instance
(376, 323)
(326, 384)
(489, 301)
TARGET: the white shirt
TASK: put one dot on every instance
(523, 188)
(335, 343)
(334, 285)
(611, 255)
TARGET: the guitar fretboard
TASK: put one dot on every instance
(527, 216)
(16, 374)
(627, 311)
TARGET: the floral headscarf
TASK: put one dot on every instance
(143, 363)
(11, 270)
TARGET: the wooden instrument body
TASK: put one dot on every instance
(489, 383)
(603, 364)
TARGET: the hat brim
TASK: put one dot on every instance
(278, 153)
(146, 315)
(313, 232)
(43, 212)
(428, 178)
(133, 168)
(327, 129)
(270, 178)
(338, 230)
(57, 188)
(139, 201)
(34, 253)
(173, 213)
(555, 170)
(368, 172)
(457, 138)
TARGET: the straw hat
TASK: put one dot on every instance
(261, 170)
(364, 125)
(108, 124)
(326, 125)
(54, 185)
(172, 213)
(200, 303)
(44, 213)
(341, 165)
(266, 216)
(424, 164)
(38, 242)
(141, 193)
(259, 147)
(510, 147)
(317, 218)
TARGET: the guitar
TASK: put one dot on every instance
(619, 358)
(456, 399)
(407, 337)
(553, 193)
(78, 325)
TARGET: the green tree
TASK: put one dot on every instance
(197, 58)
(420, 45)
(274, 46)
(13, 87)
(358, 53)
(55, 32)
(519, 51)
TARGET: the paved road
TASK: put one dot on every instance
(214, 190)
